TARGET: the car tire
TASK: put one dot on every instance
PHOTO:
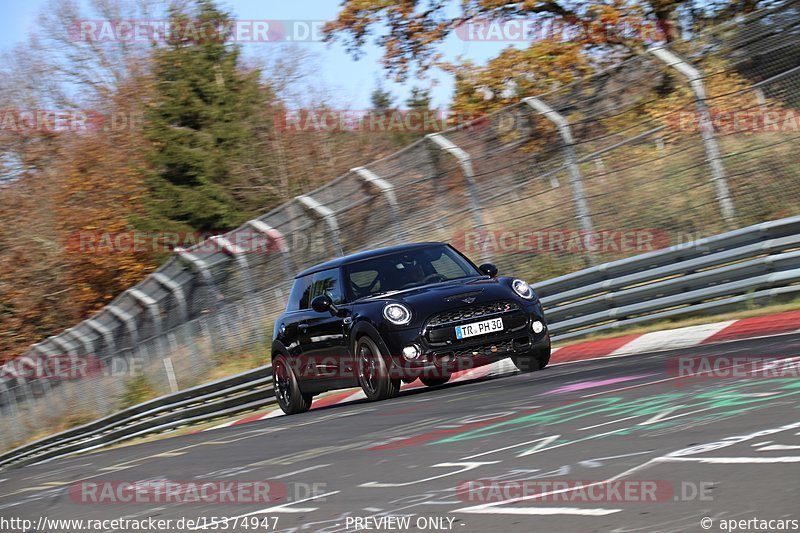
(434, 381)
(287, 390)
(373, 374)
(532, 361)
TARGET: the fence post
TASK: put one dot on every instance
(175, 288)
(107, 334)
(88, 345)
(206, 274)
(327, 215)
(127, 319)
(238, 254)
(388, 190)
(465, 161)
(275, 235)
(695, 78)
(575, 179)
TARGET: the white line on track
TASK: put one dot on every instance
(730, 460)
(545, 511)
(310, 468)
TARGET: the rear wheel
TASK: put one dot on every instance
(373, 375)
(287, 391)
(532, 361)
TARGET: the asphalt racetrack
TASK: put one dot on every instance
(625, 444)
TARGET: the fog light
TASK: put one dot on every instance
(411, 352)
(537, 326)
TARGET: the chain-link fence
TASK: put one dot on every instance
(671, 145)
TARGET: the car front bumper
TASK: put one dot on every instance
(449, 355)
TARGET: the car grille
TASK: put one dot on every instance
(485, 349)
(471, 312)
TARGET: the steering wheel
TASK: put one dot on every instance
(435, 276)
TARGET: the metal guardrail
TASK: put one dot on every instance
(709, 274)
(237, 394)
(752, 263)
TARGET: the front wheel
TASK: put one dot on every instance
(287, 391)
(532, 361)
(373, 375)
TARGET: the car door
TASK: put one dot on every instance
(324, 335)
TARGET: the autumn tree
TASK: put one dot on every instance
(409, 31)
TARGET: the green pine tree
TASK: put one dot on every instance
(199, 123)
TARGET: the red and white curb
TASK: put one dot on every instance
(669, 339)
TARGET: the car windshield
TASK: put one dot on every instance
(406, 270)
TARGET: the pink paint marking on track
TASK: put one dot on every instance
(581, 385)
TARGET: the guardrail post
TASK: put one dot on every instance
(327, 215)
(280, 240)
(575, 179)
(388, 190)
(465, 161)
(695, 78)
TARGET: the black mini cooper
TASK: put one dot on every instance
(377, 318)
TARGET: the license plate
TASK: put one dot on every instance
(479, 328)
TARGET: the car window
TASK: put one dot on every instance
(300, 297)
(408, 269)
(447, 266)
(327, 282)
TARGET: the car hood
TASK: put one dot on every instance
(452, 294)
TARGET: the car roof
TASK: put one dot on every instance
(360, 256)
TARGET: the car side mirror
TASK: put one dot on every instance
(322, 303)
(488, 269)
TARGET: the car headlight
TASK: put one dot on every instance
(397, 314)
(522, 289)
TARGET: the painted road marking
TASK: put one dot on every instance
(777, 447)
(610, 422)
(466, 468)
(731, 460)
(542, 511)
(169, 454)
(581, 385)
(504, 448)
(310, 468)
(667, 339)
